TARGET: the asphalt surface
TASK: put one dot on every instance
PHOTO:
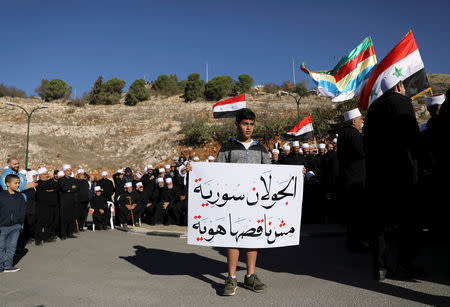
(116, 268)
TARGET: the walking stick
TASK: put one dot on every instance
(132, 217)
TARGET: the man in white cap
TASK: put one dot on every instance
(352, 167)
(68, 188)
(126, 202)
(296, 146)
(99, 203)
(119, 182)
(391, 123)
(275, 156)
(142, 200)
(83, 196)
(168, 201)
(211, 159)
(47, 208)
(106, 185)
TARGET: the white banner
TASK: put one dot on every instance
(245, 205)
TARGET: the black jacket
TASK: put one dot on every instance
(351, 155)
(47, 192)
(12, 208)
(392, 141)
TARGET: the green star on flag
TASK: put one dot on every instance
(372, 94)
(398, 72)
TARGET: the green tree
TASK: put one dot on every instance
(136, 93)
(245, 83)
(219, 87)
(166, 85)
(114, 85)
(57, 89)
(194, 87)
(97, 94)
(40, 90)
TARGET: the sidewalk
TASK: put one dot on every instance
(307, 230)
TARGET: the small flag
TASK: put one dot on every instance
(403, 63)
(302, 131)
(347, 79)
(228, 107)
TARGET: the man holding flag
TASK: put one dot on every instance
(392, 177)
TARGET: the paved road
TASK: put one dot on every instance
(115, 268)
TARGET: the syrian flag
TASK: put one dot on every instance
(228, 107)
(403, 63)
(302, 131)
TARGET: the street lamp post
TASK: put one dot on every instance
(297, 101)
(28, 128)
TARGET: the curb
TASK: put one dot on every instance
(153, 233)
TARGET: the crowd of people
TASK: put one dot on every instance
(370, 177)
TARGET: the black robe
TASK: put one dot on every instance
(107, 187)
(68, 188)
(351, 155)
(97, 203)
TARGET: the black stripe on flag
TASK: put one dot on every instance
(301, 137)
(416, 83)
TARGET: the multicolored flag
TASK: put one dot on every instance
(302, 131)
(228, 107)
(347, 79)
(403, 63)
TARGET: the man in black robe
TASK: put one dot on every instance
(392, 178)
(168, 202)
(155, 210)
(68, 188)
(83, 199)
(142, 200)
(106, 185)
(119, 182)
(352, 169)
(99, 203)
(331, 183)
(128, 206)
(46, 207)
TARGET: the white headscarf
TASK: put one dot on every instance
(30, 175)
(182, 167)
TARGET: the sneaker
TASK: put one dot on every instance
(230, 286)
(11, 270)
(253, 283)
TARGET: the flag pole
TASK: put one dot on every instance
(422, 92)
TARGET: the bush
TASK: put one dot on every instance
(219, 87)
(57, 89)
(167, 85)
(224, 131)
(40, 90)
(108, 93)
(136, 93)
(194, 87)
(300, 88)
(271, 88)
(196, 132)
(245, 83)
(77, 102)
(11, 91)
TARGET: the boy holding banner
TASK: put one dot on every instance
(242, 149)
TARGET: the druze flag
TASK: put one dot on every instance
(403, 63)
(348, 77)
(228, 107)
(302, 131)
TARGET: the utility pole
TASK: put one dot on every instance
(206, 72)
(28, 129)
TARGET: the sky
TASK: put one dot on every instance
(79, 40)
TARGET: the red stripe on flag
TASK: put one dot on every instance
(404, 48)
(230, 100)
(301, 124)
(351, 65)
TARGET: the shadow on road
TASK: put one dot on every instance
(328, 259)
(163, 262)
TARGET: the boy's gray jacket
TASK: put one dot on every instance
(234, 152)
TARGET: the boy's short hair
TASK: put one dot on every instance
(244, 114)
(10, 177)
